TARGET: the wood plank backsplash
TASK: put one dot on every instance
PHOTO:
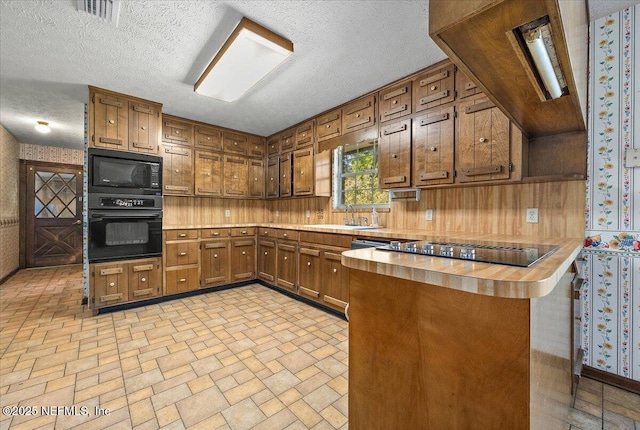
(206, 211)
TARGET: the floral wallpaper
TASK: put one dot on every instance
(611, 292)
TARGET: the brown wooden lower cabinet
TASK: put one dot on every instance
(125, 281)
(214, 262)
(243, 258)
(267, 259)
(181, 280)
(309, 273)
(287, 265)
(335, 280)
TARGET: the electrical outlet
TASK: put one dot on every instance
(632, 157)
(428, 215)
(227, 213)
(277, 213)
(532, 215)
(307, 213)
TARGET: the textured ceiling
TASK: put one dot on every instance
(50, 52)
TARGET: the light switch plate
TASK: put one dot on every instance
(532, 215)
(227, 213)
(428, 215)
(307, 213)
(632, 157)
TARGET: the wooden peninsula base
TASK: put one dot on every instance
(423, 356)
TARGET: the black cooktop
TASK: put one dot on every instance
(510, 254)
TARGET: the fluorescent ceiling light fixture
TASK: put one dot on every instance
(250, 53)
(43, 127)
(538, 41)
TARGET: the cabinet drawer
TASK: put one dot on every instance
(213, 233)
(255, 146)
(243, 231)
(181, 253)
(235, 143)
(287, 140)
(273, 145)
(181, 280)
(209, 138)
(267, 232)
(304, 135)
(181, 234)
(177, 132)
(288, 234)
(329, 125)
(434, 88)
(359, 114)
(395, 102)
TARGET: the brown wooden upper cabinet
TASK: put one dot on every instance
(432, 147)
(329, 125)
(303, 172)
(395, 101)
(273, 145)
(304, 134)
(177, 169)
(255, 146)
(394, 155)
(176, 131)
(288, 140)
(465, 87)
(272, 177)
(359, 114)
(483, 146)
(255, 179)
(208, 174)
(235, 143)
(433, 88)
(209, 138)
(285, 174)
(235, 176)
(122, 123)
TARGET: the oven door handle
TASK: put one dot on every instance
(98, 215)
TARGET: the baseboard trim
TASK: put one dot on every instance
(611, 379)
(9, 275)
(303, 299)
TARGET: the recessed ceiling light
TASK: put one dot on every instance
(250, 53)
(43, 127)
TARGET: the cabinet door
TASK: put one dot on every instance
(208, 138)
(303, 172)
(287, 265)
(181, 280)
(273, 145)
(433, 148)
(145, 279)
(395, 102)
(110, 284)
(329, 125)
(434, 88)
(177, 170)
(144, 124)
(208, 176)
(243, 260)
(110, 122)
(304, 135)
(285, 174)
(235, 176)
(255, 179)
(309, 274)
(287, 140)
(358, 114)
(256, 146)
(465, 86)
(267, 260)
(335, 278)
(272, 178)
(214, 262)
(235, 143)
(394, 155)
(177, 132)
(483, 142)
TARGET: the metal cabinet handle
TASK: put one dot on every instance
(482, 140)
(182, 235)
(335, 270)
(112, 284)
(177, 171)
(433, 87)
(244, 231)
(433, 149)
(215, 255)
(266, 253)
(285, 258)
(182, 280)
(244, 253)
(182, 254)
(394, 155)
(308, 263)
(143, 280)
(111, 121)
(285, 235)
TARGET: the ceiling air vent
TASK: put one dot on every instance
(107, 10)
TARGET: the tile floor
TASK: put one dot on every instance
(235, 359)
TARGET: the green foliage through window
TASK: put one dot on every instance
(356, 176)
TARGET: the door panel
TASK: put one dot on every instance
(53, 215)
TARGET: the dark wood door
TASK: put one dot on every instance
(53, 215)
(394, 155)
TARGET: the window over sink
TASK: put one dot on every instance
(355, 176)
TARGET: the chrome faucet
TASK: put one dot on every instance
(353, 218)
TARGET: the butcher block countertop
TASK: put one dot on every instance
(475, 277)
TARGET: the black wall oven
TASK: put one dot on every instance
(116, 172)
(124, 227)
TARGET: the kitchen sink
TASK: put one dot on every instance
(345, 227)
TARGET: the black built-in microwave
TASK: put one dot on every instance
(117, 172)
